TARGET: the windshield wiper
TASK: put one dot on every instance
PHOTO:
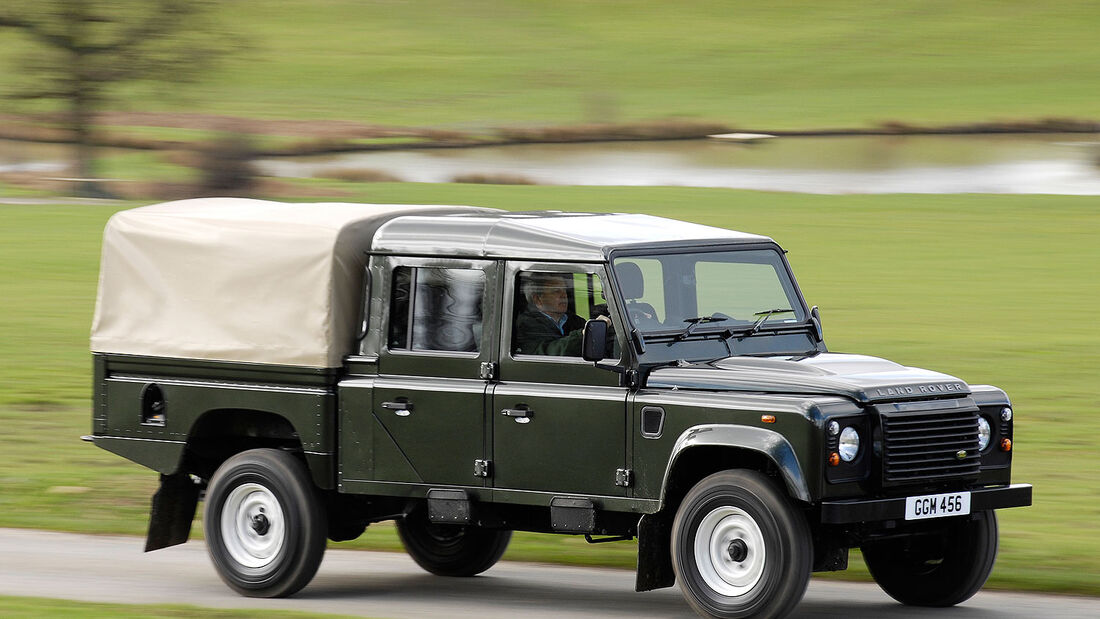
(695, 322)
(764, 316)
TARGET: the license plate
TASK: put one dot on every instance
(937, 505)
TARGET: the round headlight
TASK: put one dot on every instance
(984, 433)
(849, 444)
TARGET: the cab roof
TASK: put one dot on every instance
(229, 279)
(542, 235)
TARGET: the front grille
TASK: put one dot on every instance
(922, 446)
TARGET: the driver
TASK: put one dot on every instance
(547, 327)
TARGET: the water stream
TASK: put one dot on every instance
(1020, 164)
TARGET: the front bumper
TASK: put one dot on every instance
(873, 510)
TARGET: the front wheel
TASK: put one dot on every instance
(448, 549)
(265, 529)
(740, 548)
(943, 568)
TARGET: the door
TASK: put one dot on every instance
(559, 423)
(428, 402)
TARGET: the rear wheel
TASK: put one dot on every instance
(451, 550)
(740, 548)
(940, 569)
(265, 529)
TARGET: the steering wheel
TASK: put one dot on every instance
(642, 318)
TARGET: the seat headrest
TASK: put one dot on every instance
(630, 280)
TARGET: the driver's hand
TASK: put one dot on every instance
(604, 318)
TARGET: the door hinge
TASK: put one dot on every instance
(483, 468)
(488, 370)
(624, 478)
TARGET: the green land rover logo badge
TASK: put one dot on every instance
(961, 454)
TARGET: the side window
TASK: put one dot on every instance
(435, 308)
(551, 309)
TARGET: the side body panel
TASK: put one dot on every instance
(190, 391)
(694, 419)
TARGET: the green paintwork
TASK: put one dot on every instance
(159, 455)
(573, 442)
(194, 389)
(439, 436)
(685, 410)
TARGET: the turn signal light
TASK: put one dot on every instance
(834, 459)
(1006, 444)
(767, 418)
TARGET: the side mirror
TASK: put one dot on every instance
(815, 317)
(594, 346)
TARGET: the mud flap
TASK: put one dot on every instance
(654, 553)
(172, 512)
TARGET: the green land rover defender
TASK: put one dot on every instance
(308, 369)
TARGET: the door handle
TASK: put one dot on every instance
(521, 415)
(403, 408)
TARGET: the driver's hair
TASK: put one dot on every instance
(537, 283)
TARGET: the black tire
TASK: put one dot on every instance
(740, 548)
(264, 525)
(939, 569)
(451, 550)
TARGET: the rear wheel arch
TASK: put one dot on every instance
(220, 434)
(216, 436)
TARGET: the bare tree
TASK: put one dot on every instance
(85, 49)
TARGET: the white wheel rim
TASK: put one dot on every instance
(253, 526)
(717, 534)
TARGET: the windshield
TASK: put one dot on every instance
(717, 291)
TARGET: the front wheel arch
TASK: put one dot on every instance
(705, 449)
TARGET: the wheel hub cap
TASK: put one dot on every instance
(738, 550)
(253, 526)
(260, 524)
(729, 551)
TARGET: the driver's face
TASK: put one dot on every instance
(553, 300)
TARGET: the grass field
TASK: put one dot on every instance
(993, 289)
(43, 608)
(780, 65)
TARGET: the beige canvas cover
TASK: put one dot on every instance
(232, 279)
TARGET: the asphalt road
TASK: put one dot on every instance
(387, 585)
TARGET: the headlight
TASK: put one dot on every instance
(849, 444)
(984, 433)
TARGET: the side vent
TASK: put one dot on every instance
(153, 408)
(653, 421)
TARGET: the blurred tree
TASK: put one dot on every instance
(86, 48)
